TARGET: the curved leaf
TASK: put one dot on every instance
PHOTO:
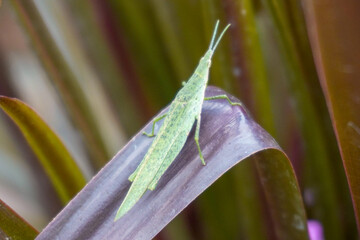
(335, 41)
(54, 157)
(12, 226)
(227, 136)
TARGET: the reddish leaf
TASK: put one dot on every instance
(335, 37)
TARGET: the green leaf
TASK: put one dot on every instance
(254, 62)
(51, 152)
(142, 41)
(105, 49)
(227, 136)
(12, 226)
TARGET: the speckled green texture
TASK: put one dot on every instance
(183, 111)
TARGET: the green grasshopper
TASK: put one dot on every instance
(170, 139)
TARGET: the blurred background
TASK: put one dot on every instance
(97, 71)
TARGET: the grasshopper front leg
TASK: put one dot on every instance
(223, 97)
(153, 125)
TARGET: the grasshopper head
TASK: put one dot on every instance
(205, 61)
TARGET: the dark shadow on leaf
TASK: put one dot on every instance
(228, 135)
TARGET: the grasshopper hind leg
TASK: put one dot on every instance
(197, 131)
(169, 158)
(133, 175)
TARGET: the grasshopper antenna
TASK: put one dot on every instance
(214, 35)
(221, 35)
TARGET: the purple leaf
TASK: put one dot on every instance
(228, 135)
